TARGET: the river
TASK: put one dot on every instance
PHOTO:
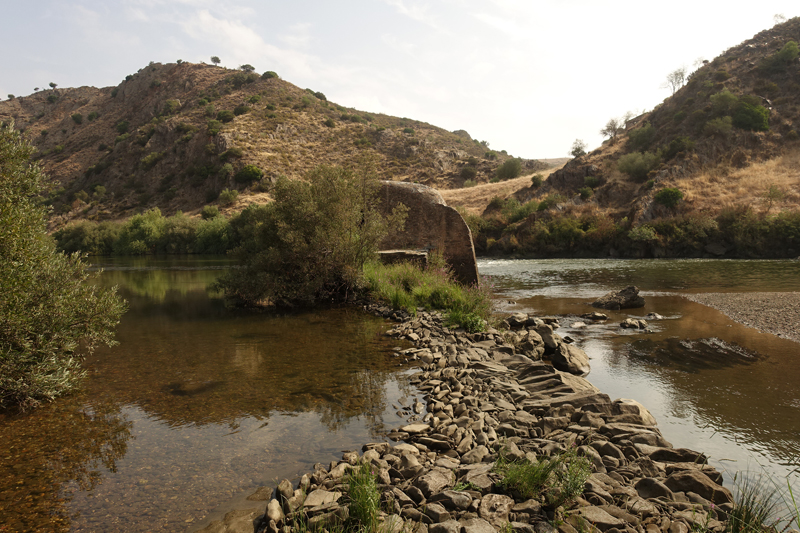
(200, 404)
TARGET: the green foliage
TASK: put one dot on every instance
(751, 117)
(365, 498)
(591, 181)
(638, 164)
(513, 211)
(578, 148)
(228, 197)
(640, 138)
(121, 138)
(320, 96)
(468, 172)
(560, 479)
(719, 127)
(408, 286)
(93, 115)
(678, 145)
(668, 196)
(269, 74)
(408, 130)
(209, 211)
(536, 181)
(254, 99)
(114, 92)
(778, 61)
(755, 507)
(51, 99)
(312, 242)
(248, 174)
(329, 122)
(724, 102)
(225, 116)
(77, 118)
(51, 313)
(585, 193)
(231, 153)
(213, 127)
(643, 233)
(150, 160)
(548, 202)
(241, 109)
(170, 107)
(215, 60)
(155, 84)
(510, 169)
(122, 127)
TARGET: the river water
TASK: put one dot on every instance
(200, 404)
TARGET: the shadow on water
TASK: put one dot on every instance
(197, 403)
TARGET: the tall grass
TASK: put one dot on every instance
(365, 499)
(407, 286)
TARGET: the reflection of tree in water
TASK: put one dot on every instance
(62, 444)
(367, 398)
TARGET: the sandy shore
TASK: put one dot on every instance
(774, 312)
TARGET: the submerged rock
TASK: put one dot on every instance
(627, 298)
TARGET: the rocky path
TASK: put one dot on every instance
(485, 402)
(774, 312)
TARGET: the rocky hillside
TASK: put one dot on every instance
(727, 135)
(176, 135)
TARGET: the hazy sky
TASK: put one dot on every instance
(527, 76)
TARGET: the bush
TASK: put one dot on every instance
(468, 172)
(640, 138)
(513, 211)
(209, 211)
(213, 127)
(751, 117)
(268, 75)
(121, 138)
(678, 145)
(536, 181)
(778, 61)
(230, 153)
(248, 174)
(150, 160)
(510, 169)
(225, 116)
(228, 197)
(114, 92)
(591, 181)
(408, 130)
(77, 118)
(122, 127)
(93, 115)
(668, 197)
(586, 193)
(52, 313)
(312, 242)
(254, 99)
(720, 126)
(51, 99)
(241, 110)
(643, 233)
(637, 164)
(329, 123)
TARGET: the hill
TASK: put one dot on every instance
(710, 171)
(175, 136)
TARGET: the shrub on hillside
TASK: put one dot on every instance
(585, 193)
(668, 197)
(248, 174)
(225, 116)
(213, 127)
(510, 169)
(228, 197)
(268, 75)
(77, 118)
(638, 164)
(240, 110)
(122, 127)
(329, 122)
(231, 153)
(718, 127)
(468, 172)
(209, 211)
(778, 61)
(640, 138)
(536, 181)
(751, 117)
(678, 145)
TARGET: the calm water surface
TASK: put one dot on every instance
(196, 405)
(712, 384)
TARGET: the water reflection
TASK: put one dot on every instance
(196, 404)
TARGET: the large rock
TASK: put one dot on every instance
(699, 483)
(430, 225)
(627, 298)
(569, 358)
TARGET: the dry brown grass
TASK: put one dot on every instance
(722, 186)
(476, 199)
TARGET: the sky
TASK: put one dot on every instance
(527, 76)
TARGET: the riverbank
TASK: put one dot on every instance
(490, 403)
(774, 312)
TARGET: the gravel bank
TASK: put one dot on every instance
(774, 312)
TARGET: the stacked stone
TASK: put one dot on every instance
(483, 398)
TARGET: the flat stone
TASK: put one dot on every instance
(494, 508)
(477, 525)
(448, 526)
(436, 512)
(652, 488)
(434, 481)
(416, 428)
(321, 497)
(600, 518)
(699, 483)
(452, 500)
(475, 456)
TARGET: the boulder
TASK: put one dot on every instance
(569, 358)
(627, 298)
(699, 483)
(633, 323)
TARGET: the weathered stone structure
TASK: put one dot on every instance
(431, 225)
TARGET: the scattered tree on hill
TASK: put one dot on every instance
(675, 79)
(668, 197)
(578, 148)
(510, 169)
(772, 195)
(51, 315)
(779, 18)
(614, 127)
(53, 85)
(215, 60)
(247, 67)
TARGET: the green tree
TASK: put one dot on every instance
(51, 315)
(614, 127)
(215, 60)
(312, 242)
(247, 67)
(510, 169)
(668, 196)
(578, 148)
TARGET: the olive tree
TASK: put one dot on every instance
(51, 315)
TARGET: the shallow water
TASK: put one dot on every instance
(713, 385)
(197, 404)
